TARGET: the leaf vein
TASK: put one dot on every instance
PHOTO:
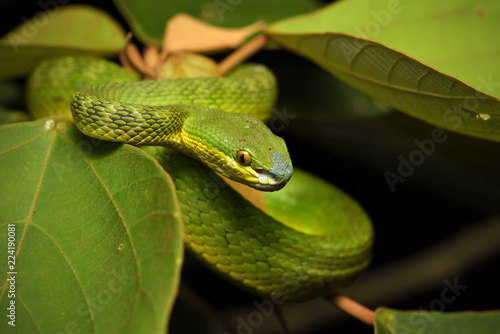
(138, 181)
(91, 314)
(29, 312)
(32, 207)
(349, 71)
(23, 143)
(122, 220)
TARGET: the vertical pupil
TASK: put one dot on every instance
(242, 158)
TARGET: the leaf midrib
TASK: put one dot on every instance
(350, 72)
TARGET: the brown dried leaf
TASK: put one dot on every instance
(186, 33)
(152, 56)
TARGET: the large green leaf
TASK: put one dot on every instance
(148, 17)
(97, 233)
(68, 30)
(425, 322)
(394, 53)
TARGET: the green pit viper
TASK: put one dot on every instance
(313, 239)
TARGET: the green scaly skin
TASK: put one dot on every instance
(291, 262)
(259, 253)
(211, 136)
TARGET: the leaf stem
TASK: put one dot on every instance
(353, 308)
(132, 60)
(244, 52)
(281, 318)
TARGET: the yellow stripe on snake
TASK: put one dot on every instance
(313, 239)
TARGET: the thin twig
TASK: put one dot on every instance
(151, 55)
(132, 60)
(123, 57)
(281, 317)
(353, 308)
(164, 52)
(238, 56)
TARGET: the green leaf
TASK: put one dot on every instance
(423, 322)
(408, 72)
(68, 30)
(97, 232)
(148, 17)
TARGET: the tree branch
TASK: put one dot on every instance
(353, 308)
(239, 55)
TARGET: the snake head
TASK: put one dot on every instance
(271, 179)
(242, 149)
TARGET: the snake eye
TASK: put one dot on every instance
(244, 158)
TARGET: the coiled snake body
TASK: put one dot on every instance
(323, 242)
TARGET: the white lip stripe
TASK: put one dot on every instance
(264, 178)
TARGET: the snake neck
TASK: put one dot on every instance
(127, 123)
(180, 127)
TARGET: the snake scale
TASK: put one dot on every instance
(311, 241)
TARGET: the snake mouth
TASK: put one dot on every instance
(269, 181)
